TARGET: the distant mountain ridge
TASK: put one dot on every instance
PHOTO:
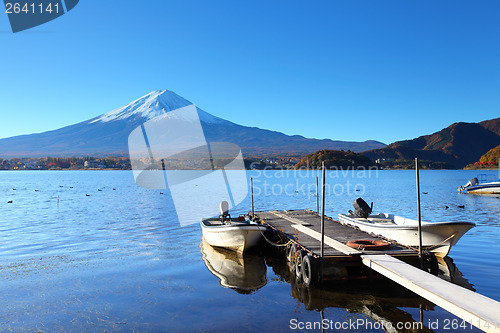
(458, 144)
(107, 134)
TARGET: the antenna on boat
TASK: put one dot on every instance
(419, 214)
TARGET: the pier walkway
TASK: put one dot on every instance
(304, 228)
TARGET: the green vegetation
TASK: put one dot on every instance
(487, 161)
(335, 159)
(491, 156)
(123, 163)
(65, 163)
(410, 164)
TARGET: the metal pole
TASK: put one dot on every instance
(419, 213)
(322, 321)
(251, 191)
(323, 212)
(499, 168)
(317, 194)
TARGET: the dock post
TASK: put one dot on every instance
(323, 221)
(419, 214)
(317, 194)
(323, 212)
(251, 194)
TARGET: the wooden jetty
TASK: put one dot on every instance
(303, 227)
(302, 230)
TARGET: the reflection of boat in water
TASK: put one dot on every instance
(382, 300)
(238, 234)
(437, 237)
(447, 270)
(243, 274)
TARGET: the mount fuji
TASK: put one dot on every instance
(108, 134)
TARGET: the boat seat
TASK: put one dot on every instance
(224, 212)
(380, 220)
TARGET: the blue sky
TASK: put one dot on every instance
(347, 70)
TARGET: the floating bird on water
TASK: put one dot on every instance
(99, 189)
(88, 195)
(461, 206)
(13, 189)
(36, 190)
(446, 207)
(161, 192)
(71, 187)
(114, 189)
(9, 201)
(425, 192)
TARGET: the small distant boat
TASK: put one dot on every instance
(437, 237)
(474, 186)
(238, 234)
(486, 184)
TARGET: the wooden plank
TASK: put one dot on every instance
(474, 308)
(291, 219)
(328, 240)
(333, 229)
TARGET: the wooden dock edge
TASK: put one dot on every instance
(473, 308)
(328, 240)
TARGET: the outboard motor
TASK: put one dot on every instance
(471, 182)
(224, 212)
(361, 208)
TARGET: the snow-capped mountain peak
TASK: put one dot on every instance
(108, 134)
(156, 103)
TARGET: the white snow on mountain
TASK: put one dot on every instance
(155, 104)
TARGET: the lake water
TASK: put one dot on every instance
(91, 251)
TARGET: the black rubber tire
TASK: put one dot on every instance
(306, 297)
(309, 270)
(298, 264)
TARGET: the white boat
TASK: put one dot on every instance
(487, 184)
(238, 234)
(437, 237)
(474, 186)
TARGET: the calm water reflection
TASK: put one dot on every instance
(243, 274)
(117, 259)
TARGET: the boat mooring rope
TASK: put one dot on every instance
(273, 243)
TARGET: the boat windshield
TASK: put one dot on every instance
(486, 178)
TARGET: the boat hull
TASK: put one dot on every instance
(238, 237)
(486, 188)
(437, 237)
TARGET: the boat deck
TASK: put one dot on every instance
(304, 228)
